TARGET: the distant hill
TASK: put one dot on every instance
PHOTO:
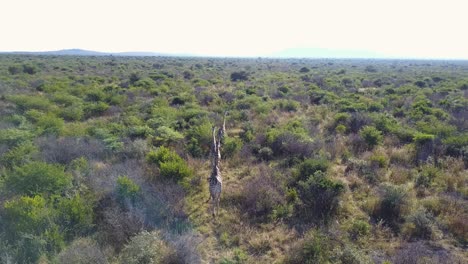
(81, 52)
(325, 53)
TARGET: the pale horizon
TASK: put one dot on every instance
(383, 29)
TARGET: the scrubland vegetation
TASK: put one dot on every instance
(106, 160)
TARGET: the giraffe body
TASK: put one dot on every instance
(215, 180)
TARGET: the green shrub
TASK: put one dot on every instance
(162, 154)
(28, 102)
(19, 155)
(351, 255)
(379, 160)
(30, 69)
(75, 215)
(27, 215)
(421, 138)
(14, 69)
(171, 165)
(319, 197)
(146, 248)
(231, 146)
(72, 113)
(419, 224)
(265, 153)
(38, 177)
(202, 134)
(371, 135)
(309, 167)
(167, 135)
(127, 190)
(176, 170)
(13, 136)
(427, 175)
(50, 124)
(95, 109)
(393, 205)
(288, 105)
(239, 257)
(341, 129)
(359, 228)
(314, 248)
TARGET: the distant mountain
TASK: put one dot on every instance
(325, 53)
(81, 52)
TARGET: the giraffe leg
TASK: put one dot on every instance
(217, 205)
(213, 207)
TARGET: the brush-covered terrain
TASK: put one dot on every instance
(106, 160)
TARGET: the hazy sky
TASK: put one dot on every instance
(395, 28)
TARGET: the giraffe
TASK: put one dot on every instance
(215, 180)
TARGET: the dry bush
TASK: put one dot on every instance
(164, 205)
(116, 226)
(136, 149)
(399, 175)
(82, 251)
(185, 247)
(402, 156)
(103, 177)
(147, 248)
(357, 144)
(393, 205)
(64, 150)
(289, 144)
(419, 252)
(419, 224)
(262, 193)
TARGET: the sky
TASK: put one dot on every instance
(389, 28)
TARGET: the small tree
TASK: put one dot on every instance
(319, 197)
(239, 76)
(37, 178)
(371, 135)
(171, 165)
(127, 190)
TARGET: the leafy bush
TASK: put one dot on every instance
(262, 194)
(171, 165)
(147, 248)
(127, 190)
(28, 102)
(75, 215)
(231, 146)
(166, 135)
(82, 251)
(50, 124)
(371, 135)
(309, 167)
(315, 247)
(30, 69)
(27, 215)
(419, 224)
(13, 136)
(319, 197)
(18, 155)
(292, 141)
(38, 178)
(393, 205)
(239, 257)
(359, 228)
(427, 175)
(379, 160)
(239, 76)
